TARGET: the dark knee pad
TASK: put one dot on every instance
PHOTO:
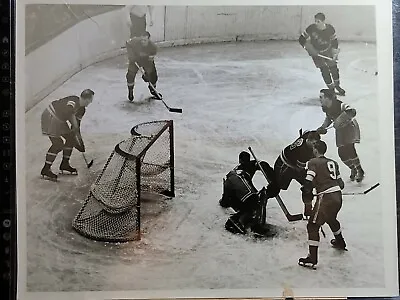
(326, 75)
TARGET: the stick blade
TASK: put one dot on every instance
(176, 110)
(293, 218)
(90, 164)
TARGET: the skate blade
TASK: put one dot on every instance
(68, 173)
(308, 266)
(44, 177)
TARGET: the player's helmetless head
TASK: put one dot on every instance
(326, 96)
(319, 19)
(244, 157)
(312, 138)
(145, 38)
(86, 97)
(320, 148)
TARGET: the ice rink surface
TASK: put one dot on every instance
(233, 96)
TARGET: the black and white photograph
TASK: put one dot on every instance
(211, 150)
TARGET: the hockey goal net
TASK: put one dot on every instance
(144, 163)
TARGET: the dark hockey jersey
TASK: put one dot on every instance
(66, 107)
(298, 153)
(322, 40)
(136, 51)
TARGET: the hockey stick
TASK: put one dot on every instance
(88, 164)
(362, 193)
(289, 216)
(326, 57)
(171, 109)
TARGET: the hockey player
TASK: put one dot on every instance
(320, 39)
(293, 158)
(240, 194)
(347, 131)
(141, 51)
(136, 18)
(322, 174)
(54, 125)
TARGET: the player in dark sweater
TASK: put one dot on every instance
(64, 137)
(347, 131)
(320, 39)
(141, 51)
(240, 194)
(292, 161)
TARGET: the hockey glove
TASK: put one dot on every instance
(145, 78)
(79, 145)
(322, 130)
(307, 209)
(310, 49)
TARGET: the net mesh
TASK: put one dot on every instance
(111, 211)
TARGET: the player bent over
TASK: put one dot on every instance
(322, 174)
(54, 125)
(240, 194)
(141, 50)
(293, 158)
(320, 39)
(347, 131)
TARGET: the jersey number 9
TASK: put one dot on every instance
(332, 169)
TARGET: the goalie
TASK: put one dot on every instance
(240, 194)
(347, 131)
(320, 39)
(141, 52)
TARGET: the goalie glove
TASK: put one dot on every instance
(310, 49)
(342, 120)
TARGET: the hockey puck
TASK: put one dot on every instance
(376, 73)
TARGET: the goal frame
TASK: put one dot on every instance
(139, 167)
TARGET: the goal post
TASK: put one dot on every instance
(143, 163)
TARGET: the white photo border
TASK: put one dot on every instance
(386, 140)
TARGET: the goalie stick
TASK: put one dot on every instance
(171, 109)
(289, 216)
(88, 164)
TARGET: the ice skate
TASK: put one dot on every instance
(48, 174)
(130, 95)
(360, 175)
(353, 174)
(153, 92)
(340, 91)
(308, 262)
(234, 226)
(67, 168)
(339, 244)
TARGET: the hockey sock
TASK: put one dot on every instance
(54, 149)
(69, 145)
(346, 154)
(313, 234)
(335, 74)
(313, 252)
(326, 75)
